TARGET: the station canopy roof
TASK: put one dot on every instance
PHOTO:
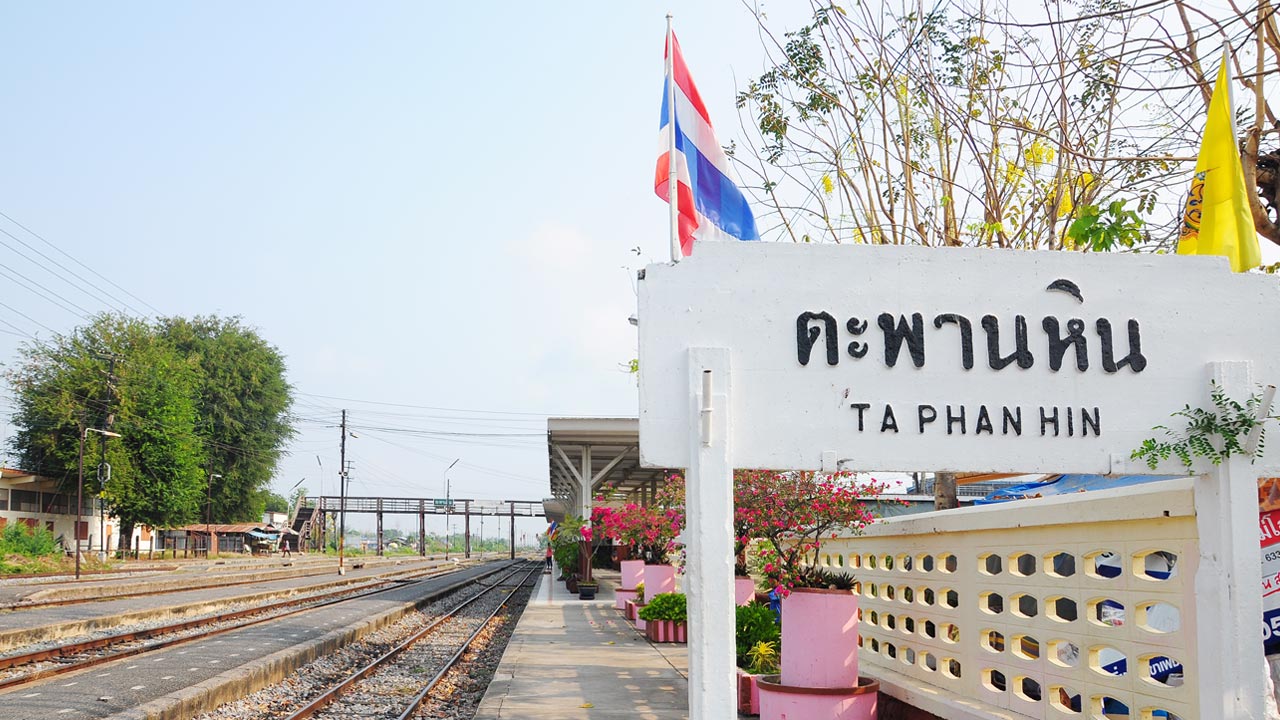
(608, 448)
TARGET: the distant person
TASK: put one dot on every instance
(287, 553)
(548, 558)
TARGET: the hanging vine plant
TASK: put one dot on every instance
(1215, 434)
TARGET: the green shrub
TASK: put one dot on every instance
(816, 577)
(18, 539)
(756, 623)
(666, 606)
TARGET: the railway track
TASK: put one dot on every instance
(395, 684)
(42, 664)
(285, 574)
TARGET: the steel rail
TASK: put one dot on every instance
(323, 600)
(21, 606)
(421, 697)
(321, 701)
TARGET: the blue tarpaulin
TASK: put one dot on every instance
(262, 535)
(1064, 484)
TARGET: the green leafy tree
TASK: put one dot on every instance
(166, 483)
(113, 373)
(275, 502)
(244, 404)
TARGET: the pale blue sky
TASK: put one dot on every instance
(421, 203)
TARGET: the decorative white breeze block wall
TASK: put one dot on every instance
(1071, 606)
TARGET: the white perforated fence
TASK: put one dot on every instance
(1079, 606)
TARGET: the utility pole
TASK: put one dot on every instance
(342, 486)
(212, 550)
(447, 503)
(104, 470)
(944, 491)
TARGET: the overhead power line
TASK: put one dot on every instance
(71, 257)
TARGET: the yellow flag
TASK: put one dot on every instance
(1216, 220)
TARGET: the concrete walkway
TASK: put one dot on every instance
(576, 660)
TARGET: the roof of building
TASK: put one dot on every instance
(233, 528)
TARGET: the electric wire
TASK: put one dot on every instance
(106, 279)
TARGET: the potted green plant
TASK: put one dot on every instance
(566, 549)
(587, 589)
(756, 626)
(634, 604)
(666, 618)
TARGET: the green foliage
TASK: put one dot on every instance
(276, 502)
(666, 606)
(1213, 434)
(813, 576)
(1099, 231)
(18, 539)
(66, 383)
(243, 401)
(640, 593)
(565, 547)
(187, 398)
(756, 624)
(763, 658)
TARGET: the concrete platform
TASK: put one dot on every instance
(581, 660)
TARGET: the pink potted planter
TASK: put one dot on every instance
(788, 702)
(659, 579)
(744, 590)
(666, 631)
(621, 597)
(820, 638)
(632, 575)
(819, 679)
(748, 693)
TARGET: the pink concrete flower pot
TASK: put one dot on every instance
(641, 624)
(632, 573)
(666, 631)
(820, 639)
(748, 693)
(744, 590)
(790, 702)
(620, 598)
(659, 579)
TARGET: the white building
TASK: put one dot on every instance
(37, 501)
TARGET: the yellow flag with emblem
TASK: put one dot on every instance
(1216, 220)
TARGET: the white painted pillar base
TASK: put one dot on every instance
(1228, 628)
(709, 542)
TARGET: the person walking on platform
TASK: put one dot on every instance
(548, 559)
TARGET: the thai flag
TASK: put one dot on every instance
(707, 200)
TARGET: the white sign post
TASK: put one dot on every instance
(907, 358)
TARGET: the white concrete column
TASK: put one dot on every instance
(1228, 616)
(584, 485)
(709, 537)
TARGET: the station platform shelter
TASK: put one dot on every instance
(591, 457)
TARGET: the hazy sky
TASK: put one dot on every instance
(430, 204)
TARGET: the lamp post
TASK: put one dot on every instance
(84, 433)
(447, 502)
(208, 514)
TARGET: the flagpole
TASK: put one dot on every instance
(673, 200)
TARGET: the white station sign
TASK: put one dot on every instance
(909, 358)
